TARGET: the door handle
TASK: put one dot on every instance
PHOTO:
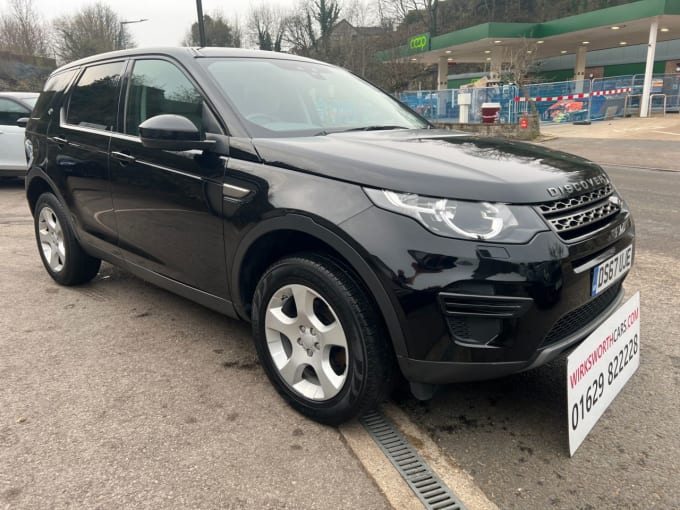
(59, 140)
(123, 157)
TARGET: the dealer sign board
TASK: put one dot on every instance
(420, 42)
(600, 367)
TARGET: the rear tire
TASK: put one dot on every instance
(61, 254)
(320, 339)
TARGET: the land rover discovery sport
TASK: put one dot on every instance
(355, 238)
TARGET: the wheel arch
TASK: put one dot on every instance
(264, 244)
(34, 188)
(38, 183)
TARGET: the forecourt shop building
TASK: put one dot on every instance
(637, 37)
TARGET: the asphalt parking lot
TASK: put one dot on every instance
(118, 394)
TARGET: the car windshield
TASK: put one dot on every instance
(280, 98)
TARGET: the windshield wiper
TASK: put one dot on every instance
(374, 128)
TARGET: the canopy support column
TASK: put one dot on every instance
(496, 63)
(443, 74)
(580, 68)
(649, 69)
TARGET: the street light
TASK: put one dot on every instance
(201, 24)
(120, 32)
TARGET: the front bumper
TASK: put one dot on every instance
(437, 372)
(526, 304)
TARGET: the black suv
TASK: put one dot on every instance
(357, 239)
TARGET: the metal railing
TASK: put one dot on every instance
(568, 101)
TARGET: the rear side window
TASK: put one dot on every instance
(55, 85)
(94, 99)
(158, 87)
(10, 111)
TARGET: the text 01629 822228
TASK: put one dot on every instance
(600, 367)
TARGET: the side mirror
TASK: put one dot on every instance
(172, 133)
(22, 122)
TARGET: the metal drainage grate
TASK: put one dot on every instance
(434, 494)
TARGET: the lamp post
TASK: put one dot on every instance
(120, 32)
(201, 23)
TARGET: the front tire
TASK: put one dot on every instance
(61, 254)
(320, 339)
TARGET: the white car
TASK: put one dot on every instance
(14, 106)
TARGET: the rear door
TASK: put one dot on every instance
(12, 155)
(78, 151)
(168, 205)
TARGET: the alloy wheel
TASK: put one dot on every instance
(51, 239)
(306, 342)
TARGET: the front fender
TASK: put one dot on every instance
(357, 261)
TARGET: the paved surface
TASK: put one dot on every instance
(653, 142)
(119, 395)
(511, 434)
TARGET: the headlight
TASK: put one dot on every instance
(481, 221)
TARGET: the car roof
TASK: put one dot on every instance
(19, 95)
(184, 53)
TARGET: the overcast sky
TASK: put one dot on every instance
(169, 20)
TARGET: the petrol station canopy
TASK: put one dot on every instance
(613, 27)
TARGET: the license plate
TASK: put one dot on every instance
(611, 270)
(598, 369)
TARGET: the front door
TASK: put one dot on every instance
(168, 205)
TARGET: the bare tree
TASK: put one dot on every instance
(22, 30)
(326, 13)
(219, 31)
(423, 14)
(396, 11)
(518, 61)
(266, 27)
(361, 13)
(354, 44)
(94, 29)
(238, 33)
(308, 31)
(300, 33)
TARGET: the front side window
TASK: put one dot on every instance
(279, 97)
(158, 87)
(11, 111)
(94, 100)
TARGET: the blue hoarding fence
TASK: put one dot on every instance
(568, 101)
(444, 105)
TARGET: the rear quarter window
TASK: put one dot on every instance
(52, 91)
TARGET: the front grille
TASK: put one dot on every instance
(580, 317)
(576, 217)
(579, 201)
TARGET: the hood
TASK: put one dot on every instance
(438, 163)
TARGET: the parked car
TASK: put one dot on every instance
(357, 240)
(13, 107)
